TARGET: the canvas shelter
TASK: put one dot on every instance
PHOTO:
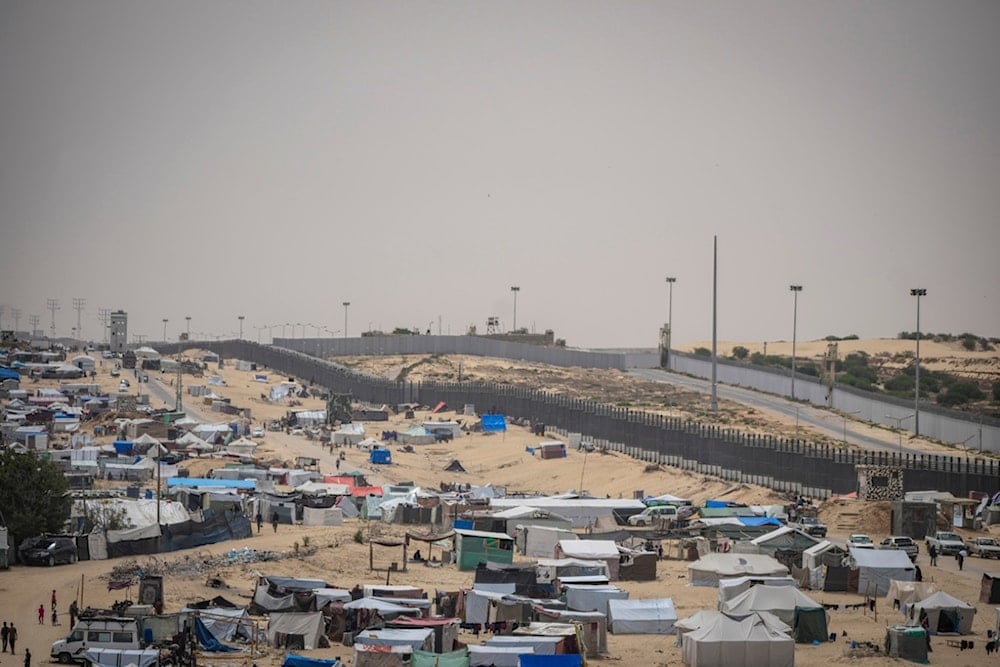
(540, 541)
(906, 643)
(785, 538)
(728, 642)
(904, 593)
(711, 568)
(730, 588)
(473, 547)
(605, 551)
(878, 567)
(823, 553)
(651, 616)
(593, 626)
(592, 598)
(706, 617)
(496, 656)
(295, 629)
(413, 638)
(779, 600)
(946, 614)
(989, 589)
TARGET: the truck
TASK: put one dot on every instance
(946, 543)
(108, 632)
(984, 547)
(811, 525)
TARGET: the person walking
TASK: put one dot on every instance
(260, 521)
(960, 557)
(274, 521)
(41, 614)
(933, 553)
(27, 657)
(74, 611)
(4, 632)
(12, 638)
(53, 598)
(55, 616)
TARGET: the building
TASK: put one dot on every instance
(119, 331)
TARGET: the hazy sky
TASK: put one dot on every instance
(212, 159)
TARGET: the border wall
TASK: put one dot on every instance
(778, 463)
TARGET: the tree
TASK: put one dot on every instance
(741, 352)
(34, 495)
(702, 352)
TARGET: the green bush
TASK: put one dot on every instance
(854, 381)
(960, 393)
(702, 352)
(740, 352)
(900, 383)
(969, 344)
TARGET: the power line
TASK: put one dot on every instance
(78, 304)
(16, 312)
(52, 305)
(104, 317)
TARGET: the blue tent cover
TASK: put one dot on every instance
(208, 640)
(293, 660)
(494, 423)
(557, 660)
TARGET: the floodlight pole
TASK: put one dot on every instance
(795, 317)
(670, 316)
(346, 304)
(917, 292)
(515, 289)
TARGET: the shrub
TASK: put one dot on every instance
(854, 381)
(741, 352)
(900, 383)
(960, 393)
(702, 352)
(969, 344)
(359, 536)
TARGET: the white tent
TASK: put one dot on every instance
(115, 657)
(730, 588)
(421, 639)
(779, 600)
(907, 592)
(706, 617)
(592, 550)
(945, 614)
(811, 557)
(726, 642)
(642, 617)
(710, 568)
(877, 567)
(592, 598)
(309, 625)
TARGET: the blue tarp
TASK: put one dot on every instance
(220, 483)
(8, 374)
(557, 660)
(383, 456)
(759, 521)
(721, 503)
(292, 660)
(208, 640)
(494, 423)
(123, 446)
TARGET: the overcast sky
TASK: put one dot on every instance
(417, 159)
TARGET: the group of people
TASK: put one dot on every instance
(8, 635)
(960, 555)
(55, 613)
(260, 521)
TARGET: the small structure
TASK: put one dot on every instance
(710, 568)
(593, 550)
(824, 553)
(989, 590)
(473, 547)
(878, 567)
(737, 643)
(642, 617)
(551, 449)
(380, 456)
(906, 643)
(879, 482)
(295, 630)
(781, 601)
(945, 614)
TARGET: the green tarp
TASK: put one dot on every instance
(459, 658)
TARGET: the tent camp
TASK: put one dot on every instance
(727, 642)
(877, 567)
(295, 630)
(779, 600)
(710, 568)
(946, 614)
(642, 617)
(540, 541)
(823, 553)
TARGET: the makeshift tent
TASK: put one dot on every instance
(494, 423)
(710, 568)
(593, 627)
(208, 641)
(415, 638)
(496, 656)
(455, 466)
(809, 625)
(730, 588)
(224, 623)
(563, 660)
(473, 547)
(779, 600)
(707, 616)
(904, 593)
(293, 660)
(538, 645)
(989, 589)
(824, 553)
(784, 538)
(459, 658)
(113, 657)
(877, 567)
(385, 609)
(592, 598)
(592, 550)
(946, 614)
(540, 541)
(380, 457)
(642, 617)
(295, 630)
(906, 643)
(727, 642)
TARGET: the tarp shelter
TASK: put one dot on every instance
(593, 550)
(415, 638)
(295, 629)
(727, 642)
(541, 541)
(809, 625)
(592, 598)
(496, 656)
(113, 657)
(946, 614)
(459, 658)
(904, 593)
(906, 643)
(380, 457)
(707, 616)
(779, 600)
(562, 660)
(823, 553)
(593, 626)
(710, 568)
(877, 567)
(494, 423)
(293, 660)
(539, 645)
(473, 547)
(785, 538)
(730, 588)
(642, 617)
(224, 623)
(387, 610)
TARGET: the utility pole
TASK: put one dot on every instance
(78, 304)
(104, 316)
(715, 311)
(52, 305)
(241, 318)
(917, 292)
(345, 304)
(165, 320)
(795, 317)
(3, 309)
(33, 321)
(16, 314)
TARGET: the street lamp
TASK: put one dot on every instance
(670, 316)
(241, 318)
(165, 320)
(917, 292)
(795, 316)
(899, 427)
(515, 289)
(346, 305)
(187, 318)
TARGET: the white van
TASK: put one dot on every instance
(97, 632)
(653, 515)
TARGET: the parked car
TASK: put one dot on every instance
(653, 515)
(47, 551)
(96, 632)
(257, 432)
(984, 547)
(902, 543)
(947, 543)
(860, 541)
(810, 525)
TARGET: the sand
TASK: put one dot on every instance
(499, 459)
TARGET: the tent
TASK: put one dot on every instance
(877, 567)
(562, 660)
(413, 638)
(459, 658)
(989, 589)
(288, 629)
(824, 553)
(496, 656)
(592, 598)
(809, 625)
(707, 616)
(710, 568)
(945, 614)
(779, 600)
(727, 642)
(904, 593)
(642, 617)
(592, 550)
(906, 643)
(113, 657)
(224, 623)
(730, 588)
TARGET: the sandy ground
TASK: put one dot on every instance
(500, 459)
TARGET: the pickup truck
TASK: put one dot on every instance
(901, 543)
(810, 525)
(984, 547)
(946, 543)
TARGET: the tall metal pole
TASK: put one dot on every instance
(78, 305)
(917, 292)
(715, 312)
(346, 304)
(187, 319)
(670, 317)
(241, 318)
(515, 289)
(165, 320)
(16, 314)
(795, 318)
(52, 305)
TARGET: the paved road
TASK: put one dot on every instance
(829, 423)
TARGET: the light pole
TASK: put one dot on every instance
(670, 316)
(241, 318)
(346, 305)
(917, 292)
(165, 320)
(899, 427)
(795, 317)
(515, 289)
(187, 319)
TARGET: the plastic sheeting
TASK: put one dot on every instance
(642, 617)
(112, 657)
